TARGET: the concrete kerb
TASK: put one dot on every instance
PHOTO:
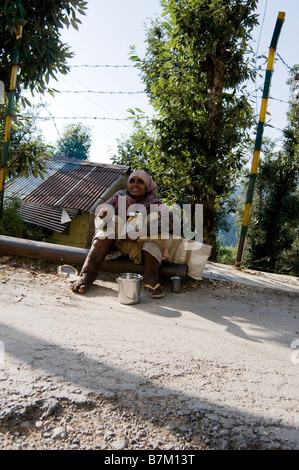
(216, 271)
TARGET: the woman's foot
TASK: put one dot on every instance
(80, 286)
(151, 275)
(155, 292)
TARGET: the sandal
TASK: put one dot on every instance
(151, 291)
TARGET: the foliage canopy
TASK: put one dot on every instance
(273, 238)
(42, 54)
(75, 142)
(27, 146)
(196, 64)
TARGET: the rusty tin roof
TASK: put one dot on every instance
(70, 186)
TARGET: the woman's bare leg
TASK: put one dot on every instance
(151, 275)
(97, 253)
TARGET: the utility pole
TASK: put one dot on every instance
(11, 98)
(259, 137)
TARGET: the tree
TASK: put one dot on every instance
(42, 54)
(27, 147)
(75, 142)
(273, 238)
(136, 149)
(196, 63)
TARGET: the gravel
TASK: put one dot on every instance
(131, 423)
(209, 370)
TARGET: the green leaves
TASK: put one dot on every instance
(75, 142)
(27, 148)
(195, 66)
(42, 55)
(273, 238)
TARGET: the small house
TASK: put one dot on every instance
(65, 199)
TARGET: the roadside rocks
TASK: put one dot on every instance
(173, 389)
(131, 423)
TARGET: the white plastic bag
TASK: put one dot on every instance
(192, 253)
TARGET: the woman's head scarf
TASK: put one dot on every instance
(151, 186)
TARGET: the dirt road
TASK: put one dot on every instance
(213, 367)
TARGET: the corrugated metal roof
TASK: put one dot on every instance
(20, 187)
(76, 188)
(66, 185)
(45, 216)
(69, 185)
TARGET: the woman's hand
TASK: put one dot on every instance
(105, 212)
(133, 235)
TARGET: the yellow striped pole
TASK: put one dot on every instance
(11, 97)
(259, 138)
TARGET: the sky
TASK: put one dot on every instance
(101, 73)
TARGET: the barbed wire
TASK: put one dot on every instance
(284, 63)
(50, 118)
(103, 92)
(139, 91)
(280, 101)
(46, 118)
(101, 66)
(143, 92)
(134, 66)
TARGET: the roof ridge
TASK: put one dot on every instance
(85, 162)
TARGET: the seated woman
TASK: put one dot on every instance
(142, 191)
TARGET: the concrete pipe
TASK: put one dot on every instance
(62, 254)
